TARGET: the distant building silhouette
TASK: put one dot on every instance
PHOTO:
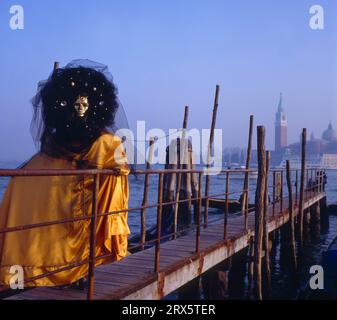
(320, 152)
(323, 151)
(281, 128)
(281, 134)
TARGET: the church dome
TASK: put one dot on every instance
(329, 134)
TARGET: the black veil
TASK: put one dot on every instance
(51, 117)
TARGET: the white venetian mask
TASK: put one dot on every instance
(81, 105)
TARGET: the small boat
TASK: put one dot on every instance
(239, 175)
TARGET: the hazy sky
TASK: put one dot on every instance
(169, 53)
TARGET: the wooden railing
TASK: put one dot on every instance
(314, 182)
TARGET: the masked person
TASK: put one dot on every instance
(74, 117)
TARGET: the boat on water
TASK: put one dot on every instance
(240, 174)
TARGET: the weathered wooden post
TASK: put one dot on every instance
(306, 184)
(311, 182)
(259, 210)
(291, 219)
(250, 267)
(179, 186)
(265, 232)
(182, 159)
(325, 222)
(194, 185)
(281, 196)
(278, 187)
(159, 223)
(245, 200)
(274, 189)
(324, 213)
(146, 194)
(197, 241)
(303, 169)
(296, 187)
(275, 237)
(227, 206)
(314, 181)
(172, 162)
(187, 181)
(315, 221)
(210, 147)
(56, 65)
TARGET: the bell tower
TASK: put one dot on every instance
(281, 127)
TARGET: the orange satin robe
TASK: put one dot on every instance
(29, 200)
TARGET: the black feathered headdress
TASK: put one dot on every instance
(56, 105)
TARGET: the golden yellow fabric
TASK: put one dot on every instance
(31, 200)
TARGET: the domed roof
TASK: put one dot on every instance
(329, 134)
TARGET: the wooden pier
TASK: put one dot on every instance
(134, 276)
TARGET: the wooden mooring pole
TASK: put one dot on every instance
(259, 211)
(227, 206)
(197, 241)
(296, 187)
(315, 222)
(210, 147)
(194, 185)
(274, 191)
(146, 194)
(250, 270)
(159, 223)
(182, 156)
(266, 242)
(56, 65)
(302, 186)
(291, 219)
(245, 198)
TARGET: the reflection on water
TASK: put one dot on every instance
(311, 255)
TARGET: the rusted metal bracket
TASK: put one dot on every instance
(201, 264)
(161, 283)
